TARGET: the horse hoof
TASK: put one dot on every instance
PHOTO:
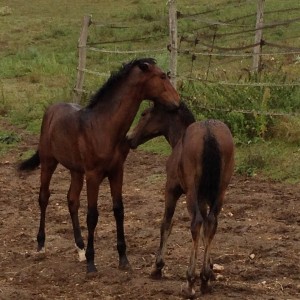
(125, 267)
(205, 288)
(188, 292)
(124, 264)
(156, 274)
(91, 275)
(40, 254)
(91, 270)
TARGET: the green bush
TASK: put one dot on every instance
(251, 111)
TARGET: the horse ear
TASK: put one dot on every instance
(145, 67)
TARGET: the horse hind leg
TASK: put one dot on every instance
(209, 230)
(189, 289)
(47, 170)
(171, 197)
(73, 204)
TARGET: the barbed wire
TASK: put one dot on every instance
(126, 26)
(244, 111)
(100, 74)
(193, 53)
(126, 51)
(258, 84)
(127, 40)
(223, 54)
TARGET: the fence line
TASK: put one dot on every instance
(81, 69)
(126, 51)
(246, 111)
(261, 84)
(192, 52)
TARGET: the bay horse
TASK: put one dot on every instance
(201, 165)
(91, 142)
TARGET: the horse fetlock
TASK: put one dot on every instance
(159, 264)
(207, 275)
(41, 239)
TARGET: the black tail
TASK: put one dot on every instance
(31, 163)
(211, 171)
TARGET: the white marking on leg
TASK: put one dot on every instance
(81, 254)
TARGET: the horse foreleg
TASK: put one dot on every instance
(73, 204)
(92, 183)
(171, 197)
(44, 194)
(116, 182)
(196, 223)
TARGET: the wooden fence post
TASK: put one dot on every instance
(258, 36)
(81, 58)
(173, 40)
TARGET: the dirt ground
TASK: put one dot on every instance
(257, 242)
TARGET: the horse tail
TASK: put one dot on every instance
(31, 163)
(210, 181)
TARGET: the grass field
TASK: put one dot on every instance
(38, 50)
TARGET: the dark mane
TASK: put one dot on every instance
(185, 114)
(115, 77)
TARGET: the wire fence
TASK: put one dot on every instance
(203, 48)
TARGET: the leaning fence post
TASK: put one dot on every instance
(173, 40)
(258, 36)
(81, 59)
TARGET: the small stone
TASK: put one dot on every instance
(218, 268)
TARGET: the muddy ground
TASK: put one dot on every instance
(257, 243)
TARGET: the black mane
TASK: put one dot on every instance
(115, 77)
(185, 114)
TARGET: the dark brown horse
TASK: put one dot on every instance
(200, 166)
(91, 142)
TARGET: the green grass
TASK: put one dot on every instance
(38, 52)
(273, 159)
(8, 140)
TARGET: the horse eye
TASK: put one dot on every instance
(163, 76)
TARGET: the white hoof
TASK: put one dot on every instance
(81, 254)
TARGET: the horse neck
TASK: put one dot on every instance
(175, 131)
(120, 111)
